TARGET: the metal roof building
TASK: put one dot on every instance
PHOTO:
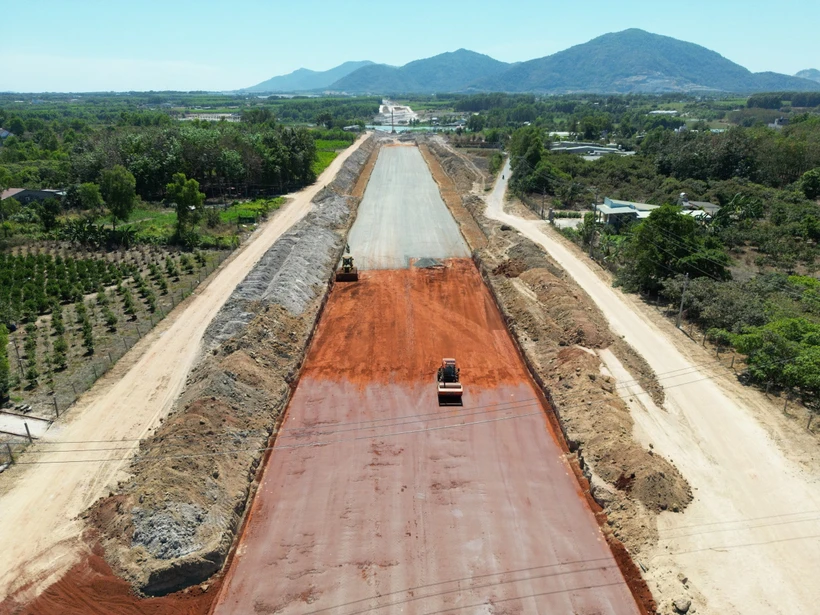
(615, 211)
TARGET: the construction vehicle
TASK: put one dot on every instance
(347, 272)
(449, 388)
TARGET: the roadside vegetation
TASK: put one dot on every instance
(135, 175)
(143, 207)
(746, 274)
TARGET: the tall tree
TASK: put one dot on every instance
(668, 243)
(90, 199)
(118, 188)
(185, 194)
(48, 211)
(810, 184)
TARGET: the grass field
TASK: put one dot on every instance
(323, 145)
(159, 223)
(323, 160)
(255, 208)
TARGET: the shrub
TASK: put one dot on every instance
(212, 218)
(186, 263)
(88, 337)
(110, 319)
(32, 375)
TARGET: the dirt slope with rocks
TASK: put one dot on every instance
(559, 330)
(173, 523)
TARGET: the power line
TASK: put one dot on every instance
(510, 406)
(788, 292)
(292, 446)
(314, 429)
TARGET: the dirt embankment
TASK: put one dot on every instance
(559, 329)
(172, 524)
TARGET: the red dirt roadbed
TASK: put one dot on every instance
(377, 500)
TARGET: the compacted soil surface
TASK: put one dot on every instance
(376, 499)
(402, 215)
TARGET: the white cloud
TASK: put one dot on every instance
(53, 73)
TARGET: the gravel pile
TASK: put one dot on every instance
(296, 268)
(170, 533)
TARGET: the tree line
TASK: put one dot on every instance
(749, 269)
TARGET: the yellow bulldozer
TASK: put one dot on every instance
(347, 272)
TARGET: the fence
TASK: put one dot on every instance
(61, 398)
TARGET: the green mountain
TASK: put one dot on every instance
(620, 62)
(447, 72)
(303, 79)
(636, 61)
(809, 73)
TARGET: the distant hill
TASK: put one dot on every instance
(446, 72)
(636, 61)
(620, 62)
(809, 73)
(303, 79)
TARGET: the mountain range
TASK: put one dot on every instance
(809, 73)
(620, 62)
(305, 80)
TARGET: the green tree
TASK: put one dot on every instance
(810, 184)
(804, 374)
(4, 362)
(668, 243)
(188, 199)
(48, 211)
(258, 115)
(9, 207)
(88, 336)
(90, 199)
(786, 353)
(17, 126)
(325, 119)
(118, 188)
(475, 123)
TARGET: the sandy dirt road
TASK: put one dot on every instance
(750, 541)
(377, 500)
(402, 215)
(43, 495)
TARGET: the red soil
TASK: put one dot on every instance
(92, 588)
(375, 499)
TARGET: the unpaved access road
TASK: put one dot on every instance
(43, 495)
(750, 541)
(377, 500)
(402, 215)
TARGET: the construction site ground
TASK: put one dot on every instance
(85, 455)
(398, 218)
(748, 542)
(373, 497)
(376, 499)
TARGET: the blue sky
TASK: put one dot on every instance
(93, 45)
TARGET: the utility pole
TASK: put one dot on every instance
(594, 224)
(682, 295)
(543, 201)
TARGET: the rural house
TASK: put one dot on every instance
(25, 196)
